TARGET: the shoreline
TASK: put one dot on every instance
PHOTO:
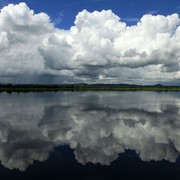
(55, 88)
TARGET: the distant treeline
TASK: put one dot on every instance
(84, 87)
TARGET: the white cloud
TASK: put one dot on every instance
(97, 43)
(21, 33)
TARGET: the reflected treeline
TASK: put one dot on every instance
(98, 126)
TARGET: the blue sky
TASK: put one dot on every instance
(63, 12)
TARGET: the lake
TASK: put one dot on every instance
(90, 135)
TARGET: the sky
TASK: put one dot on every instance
(90, 41)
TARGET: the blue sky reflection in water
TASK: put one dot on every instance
(90, 134)
(91, 41)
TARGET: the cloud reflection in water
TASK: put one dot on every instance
(97, 125)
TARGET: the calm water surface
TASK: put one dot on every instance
(90, 135)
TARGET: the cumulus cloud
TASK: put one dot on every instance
(99, 44)
(95, 125)
(21, 33)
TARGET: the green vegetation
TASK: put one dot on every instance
(84, 87)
